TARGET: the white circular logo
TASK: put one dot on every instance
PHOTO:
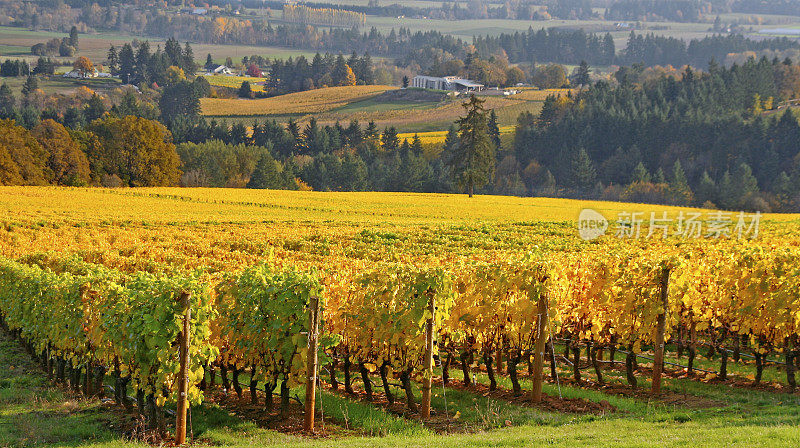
(591, 224)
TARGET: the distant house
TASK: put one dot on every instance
(78, 74)
(199, 11)
(446, 83)
(220, 70)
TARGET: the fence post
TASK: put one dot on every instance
(427, 363)
(311, 365)
(658, 348)
(539, 346)
(183, 376)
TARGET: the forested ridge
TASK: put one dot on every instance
(701, 135)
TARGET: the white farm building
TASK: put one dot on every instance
(446, 83)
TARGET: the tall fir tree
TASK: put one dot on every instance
(112, 60)
(583, 175)
(31, 84)
(472, 163)
(73, 37)
(494, 129)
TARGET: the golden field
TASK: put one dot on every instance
(190, 205)
(363, 103)
(438, 137)
(540, 95)
(235, 82)
(308, 102)
(434, 117)
(157, 228)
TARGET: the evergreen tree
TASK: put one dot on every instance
(294, 130)
(640, 174)
(238, 134)
(44, 66)
(127, 64)
(209, 62)
(679, 186)
(354, 134)
(8, 103)
(550, 110)
(473, 161)
(315, 140)
(389, 140)
(727, 195)
(451, 140)
(372, 130)
(73, 37)
(415, 171)
(583, 175)
(179, 100)
(94, 108)
(353, 62)
(31, 84)
(342, 74)
(366, 73)
(609, 49)
(416, 145)
(245, 91)
(660, 178)
(583, 76)
(142, 72)
(706, 190)
(744, 181)
(189, 66)
(73, 118)
(494, 129)
(173, 51)
(112, 60)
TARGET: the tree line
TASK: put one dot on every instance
(688, 138)
(660, 50)
(136, 63)
(323, 16)
(129, 151)
(570, 47)
(295, 75)
(658, 10)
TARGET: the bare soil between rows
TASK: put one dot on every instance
(290, 423)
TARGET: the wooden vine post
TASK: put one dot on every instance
(539, 347)
(427, 363)
(311, 365)
(183, 375)
(661, 323)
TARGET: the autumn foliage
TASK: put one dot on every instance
(129, 151)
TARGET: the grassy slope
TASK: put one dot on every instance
(33, 413)
(310, 101)
(362, 103)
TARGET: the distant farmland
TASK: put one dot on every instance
(308, 102)
(365, 103)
